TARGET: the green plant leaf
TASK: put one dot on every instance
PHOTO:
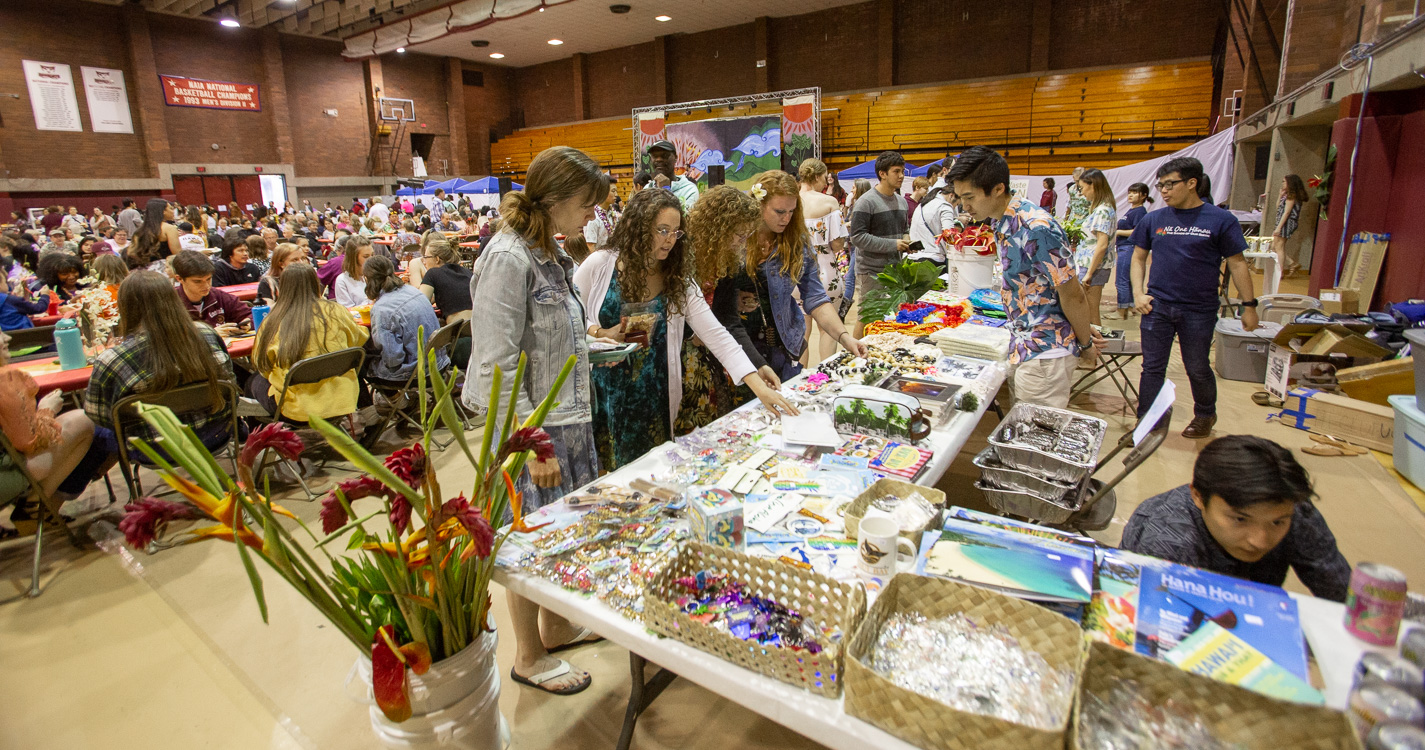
(254, 578)
(358, 538)
(368, 463)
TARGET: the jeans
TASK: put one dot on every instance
(1194, 331)
(1124, 279)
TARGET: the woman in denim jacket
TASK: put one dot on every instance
(778, 260)
(525, 303)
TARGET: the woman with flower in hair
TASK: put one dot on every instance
(777, 259)
(644, 288)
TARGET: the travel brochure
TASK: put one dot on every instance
(1035, 568)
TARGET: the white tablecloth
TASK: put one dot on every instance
(1336, 651)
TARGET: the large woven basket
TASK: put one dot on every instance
(928, 723)
(818, 598)
(1235, 715)
(887, 486)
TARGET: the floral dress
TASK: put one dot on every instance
(708, 391)
(631, 397)
(830, 264)
(1101, 219)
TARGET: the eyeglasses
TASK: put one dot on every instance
(664, 234)
(1167, 185)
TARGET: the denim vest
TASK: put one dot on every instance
(524, 303)
(788, 317)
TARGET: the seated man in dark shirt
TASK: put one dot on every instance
(224, 312)
(1247, 514)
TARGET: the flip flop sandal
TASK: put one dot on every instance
(1323, 450)
(1341, 445)
(537, 681)
(580, 639)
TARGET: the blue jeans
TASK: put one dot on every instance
(1124, 279)
(1194, 331)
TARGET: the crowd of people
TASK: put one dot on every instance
(728, 292)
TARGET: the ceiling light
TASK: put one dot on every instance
(498, 55)
(230, 23)
(662, 18)
(556, 42)
(401, 50)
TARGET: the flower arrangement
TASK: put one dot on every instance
(977, 237)
(416, 593)
(900, 282)
(98, 310)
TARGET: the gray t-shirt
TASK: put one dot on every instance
(877, 222)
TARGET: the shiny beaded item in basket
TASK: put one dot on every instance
(833, 605)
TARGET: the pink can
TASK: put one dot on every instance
(1375, 603)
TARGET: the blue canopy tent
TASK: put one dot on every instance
(405, 191)
(921, 170)
(448, 186)
(868, 171)
(486, 186)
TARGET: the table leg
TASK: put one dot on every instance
(642, 695)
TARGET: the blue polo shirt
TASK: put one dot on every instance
(1188, 247)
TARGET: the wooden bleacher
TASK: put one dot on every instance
(1044, 124)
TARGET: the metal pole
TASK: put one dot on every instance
(1351, 183)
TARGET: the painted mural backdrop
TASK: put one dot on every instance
(744, 146)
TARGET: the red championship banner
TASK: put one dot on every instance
(193, 92)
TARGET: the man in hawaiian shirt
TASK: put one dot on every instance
(1047, 308)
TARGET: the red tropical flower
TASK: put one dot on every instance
(400, 512)
(409, 464)
(333, 514)
(529, 439)
(482, 535)
(276, 436)
(143, 517)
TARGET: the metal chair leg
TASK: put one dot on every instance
(39, 546)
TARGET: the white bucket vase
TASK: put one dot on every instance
(967, 271)
(455, 705)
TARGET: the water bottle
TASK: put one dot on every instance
(258, 313)
(70, 344)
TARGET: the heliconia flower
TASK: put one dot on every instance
(410, 465)
(275, 436)
(482, 536)
(528, 439)
(143, 517)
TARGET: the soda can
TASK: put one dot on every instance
(1390, 670)
(1375, 603)
(1396, 737)
(1412, 646)
(1382, 704)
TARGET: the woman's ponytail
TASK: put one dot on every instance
(556, 174)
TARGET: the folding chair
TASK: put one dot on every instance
(307, 372)
(49, 507)
(441, 339)
(183, 400)
(24, 338)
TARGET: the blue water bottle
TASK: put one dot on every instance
(70, 344)
(258, 313)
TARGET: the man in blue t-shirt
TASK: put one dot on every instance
(1189, 240)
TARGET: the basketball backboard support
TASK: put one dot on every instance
(394, 110)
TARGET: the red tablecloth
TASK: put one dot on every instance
(49, 377)
(471, 245)
(41, 321)
(245, 292)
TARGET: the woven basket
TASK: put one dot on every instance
(928, 723)
(817, 598)
(887, 486)
(1235, 715)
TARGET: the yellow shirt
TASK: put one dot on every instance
(333, 397)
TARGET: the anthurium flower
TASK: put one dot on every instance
(277, 437)
(388, 676)
(143, 517)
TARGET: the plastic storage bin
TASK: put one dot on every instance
(1416, 337)
(1242, 355)
(1409, 439)
(1282, 308)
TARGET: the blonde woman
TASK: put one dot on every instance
(828, 238)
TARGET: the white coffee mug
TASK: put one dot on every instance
(877, 546)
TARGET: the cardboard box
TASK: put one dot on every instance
(1302, 347)
(1349, 419)
(1340, 300)
(1364, 259)
(1375, 383)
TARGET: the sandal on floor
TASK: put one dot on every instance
(1262, 398)
(580, 639)
(537, 681)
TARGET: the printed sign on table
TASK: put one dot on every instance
(52, 97)
(108, 100)
(194, 92)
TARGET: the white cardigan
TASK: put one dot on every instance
(593, 279)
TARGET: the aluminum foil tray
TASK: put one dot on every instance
(1025, 504)
(996, 474)
(1051, 443)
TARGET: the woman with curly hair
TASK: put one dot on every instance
(60, 272)
(779, 259)
(718, 228)
(644, 289)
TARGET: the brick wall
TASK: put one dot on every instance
(928, 33)
(620, 80)
(198, 49)
(829, 48)
(318, 79)
(487, 114)
(545, 93)
(711, 64)
(75, 34)
(1122, 33)
(422, 79)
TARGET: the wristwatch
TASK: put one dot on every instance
(1248, 303)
